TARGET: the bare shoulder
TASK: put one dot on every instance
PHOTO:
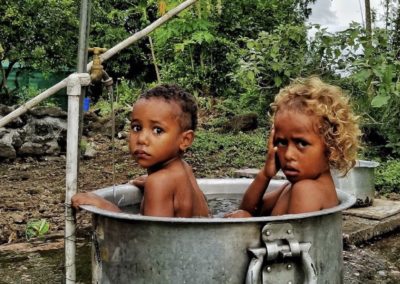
(159, 182)
(312, 195)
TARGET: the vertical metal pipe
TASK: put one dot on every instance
(83, 52)
(76, 94)
(71, 181)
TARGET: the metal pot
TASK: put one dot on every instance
(359, 181)
(295, 248)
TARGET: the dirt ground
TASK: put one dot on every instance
(32, 189)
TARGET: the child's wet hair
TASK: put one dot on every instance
(338, 125)
(174, 93)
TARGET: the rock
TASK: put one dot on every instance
(90, 152)
(244, 122)
(43, 111)
(31, 148)
(18, 218)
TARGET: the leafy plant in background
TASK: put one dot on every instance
(227, 149)
(199, 47)
(32, 31)
(36, 228)
(387, 177)
(370, 66)
(269, 62)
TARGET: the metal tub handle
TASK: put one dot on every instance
(279, 244)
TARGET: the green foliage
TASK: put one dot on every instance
(27, 93)
(36, 228)
(268, 62)
(125, 94)
(227, 150)
(370, 67)
(199, 48)
(387, 177)
(113, 22)
(37, 35)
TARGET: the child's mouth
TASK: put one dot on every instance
(140, 154)
(290, 172)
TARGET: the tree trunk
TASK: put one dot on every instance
(368, 25)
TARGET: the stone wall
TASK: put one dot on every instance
(42, 131)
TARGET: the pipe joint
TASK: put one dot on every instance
(107, 82)
(75, 82)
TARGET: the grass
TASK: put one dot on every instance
(217, 155)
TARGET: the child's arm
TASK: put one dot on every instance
(158, 199)
(88, 198)
(252, 201)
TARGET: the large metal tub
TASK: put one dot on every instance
(298, 248)
(359, 181)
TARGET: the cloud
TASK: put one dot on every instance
(322, 13)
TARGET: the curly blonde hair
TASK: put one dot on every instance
(338, 125)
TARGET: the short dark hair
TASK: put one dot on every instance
(171, 92)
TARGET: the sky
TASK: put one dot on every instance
(336, 15)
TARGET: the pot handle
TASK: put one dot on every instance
(283, 248)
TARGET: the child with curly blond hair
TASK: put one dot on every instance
(313, 130)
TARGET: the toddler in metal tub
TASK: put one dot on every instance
(163, 122)
(313, 130)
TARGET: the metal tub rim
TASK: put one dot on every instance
(346, 201)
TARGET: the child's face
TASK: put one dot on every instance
(155, 135)
(301, 150)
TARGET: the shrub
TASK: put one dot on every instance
(387, 177)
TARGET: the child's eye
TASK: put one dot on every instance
(280, 142)
(302, 143)
(135, 128)
(157, 130)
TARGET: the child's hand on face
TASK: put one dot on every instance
(271, 166)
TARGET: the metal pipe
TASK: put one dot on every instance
(108, 54)
(76, 92)
(74, 87)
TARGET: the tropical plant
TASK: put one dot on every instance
(32, 31)
(36, 228)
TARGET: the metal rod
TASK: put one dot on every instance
(76, 93)
(74, 87)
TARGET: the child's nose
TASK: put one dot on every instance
(290, 152)
(142, 137)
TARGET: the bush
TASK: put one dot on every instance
(387, 177)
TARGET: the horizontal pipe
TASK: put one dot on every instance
(31, 103)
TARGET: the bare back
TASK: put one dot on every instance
(173, 192)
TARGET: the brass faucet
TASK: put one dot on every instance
(96, 73)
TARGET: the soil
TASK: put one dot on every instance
(33, 189)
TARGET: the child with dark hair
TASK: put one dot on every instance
(313, 130)
(163, 122)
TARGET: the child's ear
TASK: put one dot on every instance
(187, 138)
